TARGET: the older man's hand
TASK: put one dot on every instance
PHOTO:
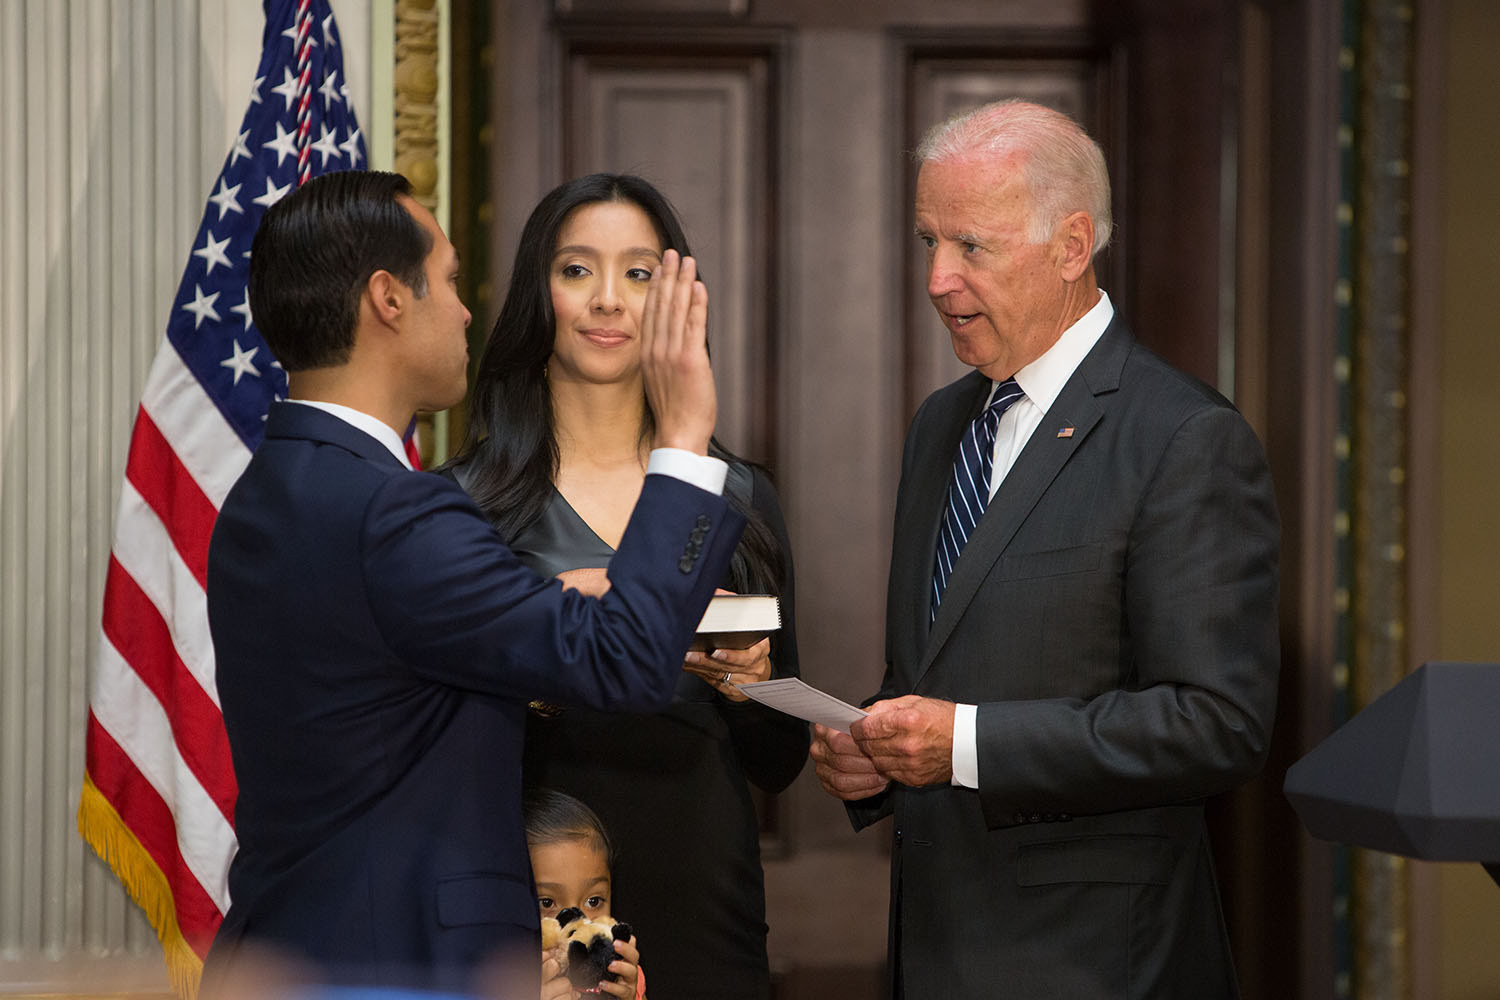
(843, 771)
(908, 739)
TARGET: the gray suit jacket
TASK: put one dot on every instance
(1114, 618)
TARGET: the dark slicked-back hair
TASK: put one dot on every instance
(510, 449)
(552, 816)
(314, 253)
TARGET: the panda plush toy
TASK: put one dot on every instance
(588, 946)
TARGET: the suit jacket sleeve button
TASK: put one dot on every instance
(685, 563)
(1036, 817)
(703, 522)
(1020, 817)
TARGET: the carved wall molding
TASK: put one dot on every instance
(415, 148)
(416, 100)
(1372, 890)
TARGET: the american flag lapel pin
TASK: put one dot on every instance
(1065, 432)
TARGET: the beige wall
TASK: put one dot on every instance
(1469, 599)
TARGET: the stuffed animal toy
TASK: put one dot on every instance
(588, 946)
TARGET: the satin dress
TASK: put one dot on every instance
(673, 788)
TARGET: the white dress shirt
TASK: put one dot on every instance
(1041, 380)
(362, 421)
(703, 471)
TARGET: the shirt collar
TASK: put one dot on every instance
(359, 420)
(1045, 377)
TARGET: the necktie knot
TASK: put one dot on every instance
(1005, 394)
(969, 489)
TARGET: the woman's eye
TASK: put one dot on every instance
(574, 271)
(638, 274)
(546, 903)
(594, 902)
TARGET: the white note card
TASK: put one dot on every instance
(794, 697)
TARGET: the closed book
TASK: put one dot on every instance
(734, 621)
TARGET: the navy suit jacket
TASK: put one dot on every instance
(376, 647)
(1113, 617)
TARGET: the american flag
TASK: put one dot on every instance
(159, 790)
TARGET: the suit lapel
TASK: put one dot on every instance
(1039, 463)
(932, 468)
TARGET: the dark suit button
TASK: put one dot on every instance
(685, 564)
(1020, 817)
(1048, 817)
(703, 522)
(1063, 817)
(898, 836)
(1036, 817)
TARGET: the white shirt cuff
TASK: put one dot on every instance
(702, 471)
(965, 746)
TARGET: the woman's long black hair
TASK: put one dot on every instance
(510, 449)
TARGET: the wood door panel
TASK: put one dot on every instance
(697, 126)
(949, 72)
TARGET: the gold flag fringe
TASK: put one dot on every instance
(103, 830)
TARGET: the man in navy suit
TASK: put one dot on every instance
(1064, 690)
(377, 643)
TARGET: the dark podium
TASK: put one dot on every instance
(1416, 773)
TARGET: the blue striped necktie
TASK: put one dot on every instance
(969, 490)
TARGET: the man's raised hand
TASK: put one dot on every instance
(674, 356)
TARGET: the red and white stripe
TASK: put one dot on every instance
(156, 745)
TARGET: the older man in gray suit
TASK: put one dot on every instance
(1081, 624)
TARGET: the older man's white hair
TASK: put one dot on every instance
(1063, 167)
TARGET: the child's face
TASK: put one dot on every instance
(571, 873)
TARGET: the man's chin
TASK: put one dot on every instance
(970, 353)
(447, 400)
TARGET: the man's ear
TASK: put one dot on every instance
(1077, 245)
(385, 297)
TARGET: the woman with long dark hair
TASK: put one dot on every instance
(556, 454)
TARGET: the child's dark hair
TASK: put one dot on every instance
(551, 816)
